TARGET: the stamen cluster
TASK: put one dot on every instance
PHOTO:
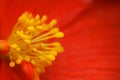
(29, 41)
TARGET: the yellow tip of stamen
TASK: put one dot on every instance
(11, 64)
(27, 41)
(51, 57)
(59, 35)
(54, 30)
(54, 53)
(30, 41)
(18, 61)
(39, 27)
(27, 58)
(53, 23)
(31, 28)
(14, 46)
(56, 44)
(37, 17)
(59, 49)
(44, 18)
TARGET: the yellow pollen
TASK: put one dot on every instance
(59, 35)
(12, 64)
(31, 28)
(52, 23)
(37, 17)
(18, 61)
(43, 19)
(29, 41)
(39, 27)
(54, 30)
(14, 46)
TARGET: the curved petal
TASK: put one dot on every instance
(30, 71)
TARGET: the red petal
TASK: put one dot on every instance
(7, 73)
(30, 71)
(92, 46)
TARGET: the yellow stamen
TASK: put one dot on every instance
(59, 35)
(31, 28)
(14, 46)
(43, 19)
(54, 30)
(39, 27)
(37, 17)
(29, 41)
(52, 23)
(12, 64)
(18, 61)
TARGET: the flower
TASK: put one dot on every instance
(30, 45)
(91, 36)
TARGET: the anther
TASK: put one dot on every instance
(59, 35)
(54, 30)
(31, 28)
(12, 64)
(43, 19)
(53, 23)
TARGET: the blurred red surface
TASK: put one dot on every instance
(91, 42)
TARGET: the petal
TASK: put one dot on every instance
(7, 73)
(92, 46)
(30, 71)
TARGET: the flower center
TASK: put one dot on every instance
(30, 41)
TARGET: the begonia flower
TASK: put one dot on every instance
(91, 41)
